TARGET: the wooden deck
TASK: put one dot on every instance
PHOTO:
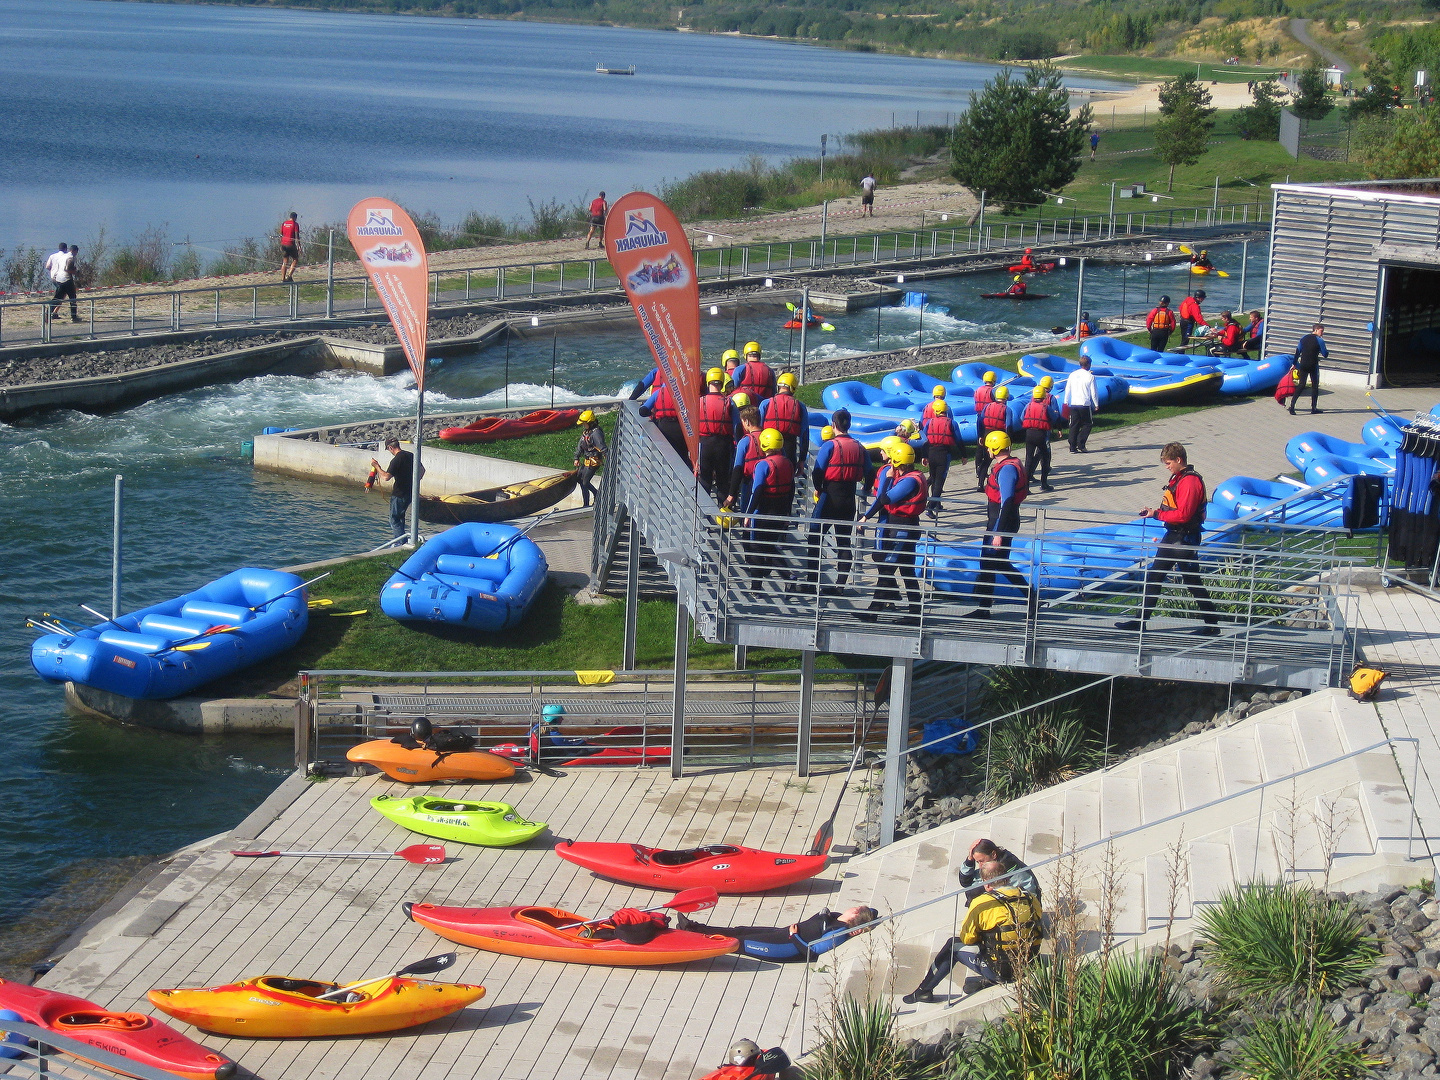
(211, 918)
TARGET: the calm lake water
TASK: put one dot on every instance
(216, 121)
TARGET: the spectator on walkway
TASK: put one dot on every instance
(598, 209)
(1191, 316)
(289, 247)
(1160, 322)
(1081, 401)
(1094, 143)
(1307, 362)
(401, 471)
(867, 195)
(61, 268)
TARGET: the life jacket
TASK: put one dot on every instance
(714, 416)
(913, 506)
(984, 394)
(783, 414)
(1037, 415)
(1013, 943)
(995, 417)
(1082, 331)
(992, 481)
(753, 456)
(780, 480)
(1018, 289)
(1162, 318)
(847, 461)
(768, 1064)
(1365, 682)
(664, 407)
(939, 431)
(1285, 387)
(758, 380)
(1168, 501)
(1231, 336)
(883, 477)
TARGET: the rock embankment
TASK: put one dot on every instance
(82, 365)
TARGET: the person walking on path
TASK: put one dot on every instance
(401, 471)
(995, 416)
(598, 209)
(867, 195)
(772, 496)
(785, 413)
(1191, 316)
(1081, 401)
(1182, 512)
(715, 424)
(1094, 143)
(289, 247)
(899, 507)
(1307, 362)
(1041, 418)
(61, 268)
(841, 464)
(747, 456)
(1160, 322)
(942, 442)
(1005, 489)
(589, 455)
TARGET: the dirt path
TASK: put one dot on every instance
(1299, 31)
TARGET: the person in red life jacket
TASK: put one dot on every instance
(772, 495)
(1255, 336)
(747, 456)
(1160, 322)
(1017, 287)
(908, 431)
(715, 422)
(289, 247)
(785, 414)
(1040, 419)
(985, 392)
(754, 376)
(729, 361)
(899, 506)
(660, 407)
(880, 482)
(1026, 263)
(598, 209)
(1182, 512)
(840, 464)
(1006, 487)
(1230, 337)
(993, 417)
(746, 1061)
(942, 444)
(937, 394)
(642, 388)
(1191, 316)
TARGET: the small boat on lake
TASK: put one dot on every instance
(601, 70)
(524, 499)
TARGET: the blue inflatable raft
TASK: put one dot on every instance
(136, 655)
(480, 575)
(1310, 446)
(1152, 376)
(1242, 496)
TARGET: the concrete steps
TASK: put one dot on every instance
(1342, 823)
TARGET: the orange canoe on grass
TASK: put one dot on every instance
(420, 765)
(495, 428)
(535, 932)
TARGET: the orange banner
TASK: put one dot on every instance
(393, 254)
(651, 256)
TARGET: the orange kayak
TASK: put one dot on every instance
(534, 932)
(421, 765)
(135, 1036)
(273, 1007)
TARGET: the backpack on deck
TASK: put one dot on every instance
(1365, 682)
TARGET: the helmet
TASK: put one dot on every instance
(1199, 294)
(938, 407)
(1048, 381)
(1016, 277)
(889, 443)
(989, 377)
(908, 426)
(938, 392)
(771, 440)
(741, 1052)
(787, 380)
(587, 417)
(997, 441)
(903, 454)
(729, 354)
(827, 433)
(1002, 393)
(724, 519)
(551, 714)
(715, 374)
(1164, 299)
(1038, 393)
(740, 400)
(752, 347)
(1204, 252)
(1084, 315)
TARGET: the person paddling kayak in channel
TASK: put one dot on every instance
(1017, 287)
(819, 933)
(1027, 262)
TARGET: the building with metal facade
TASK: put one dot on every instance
(1362, 258)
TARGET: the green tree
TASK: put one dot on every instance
(1311, 100)
(1018, 141)
(1380, 96)
(1262, 119)
(1186, 119)
(1404, 145)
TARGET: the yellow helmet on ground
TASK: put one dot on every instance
(787, 380)
(740, 400)
(827, 433)
(909, 427)
(715, 374)
(586, 417)
(1038, 393)
(729, 354)
(997, 441)
(724, 519)
(988, 377)
(752, 347)
(1047, 382)
(938, 407)
(771, 440)
(903, 454)
(1002, 393)
(938, 392)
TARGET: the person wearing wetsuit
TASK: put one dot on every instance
(643, 386)
(942, 443)
(899, 506)
(798, 941)
(841, 464)
(660, 407)
(590, 453)
(1307, 363)
(1006, 487)
(747, 456)
(1040, 419)
(716, 424)
(754, 377)
(784, 413)
(772, 495)
(994, 416)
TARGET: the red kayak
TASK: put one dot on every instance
(135, 1036)
(724, 867)
(495, 428)
(794, 324)
(606, 755)
(1014, 296)
(1038, 268)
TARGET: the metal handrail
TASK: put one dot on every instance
(78, 1058)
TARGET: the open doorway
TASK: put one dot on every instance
(1409, 326)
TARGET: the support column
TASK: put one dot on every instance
(742, 653)
(632, 597)
(893, 793)
(807, 700)
(677, 701)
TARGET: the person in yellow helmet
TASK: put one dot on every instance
(840, 465)
(936, 395)
(942, 444)
(985, 392)
(716, 423)
(729, 361)
(1006, 487)
(1039, 421)
(754, 376)
(899, 507)
(772, 495)
(786, 414)
(827, 433)
(994, 416)
(589, 455)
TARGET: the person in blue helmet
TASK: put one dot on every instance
(558, 745)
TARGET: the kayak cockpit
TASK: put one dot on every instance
(684, 858)
(107, 1021)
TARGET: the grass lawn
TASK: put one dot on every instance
(1145, 68)
(554, 450)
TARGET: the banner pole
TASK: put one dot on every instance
(415, 482)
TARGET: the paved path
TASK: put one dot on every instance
(1300, 32)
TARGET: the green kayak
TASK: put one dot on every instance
(493, 824)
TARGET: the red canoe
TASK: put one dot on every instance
(135, 1036)
(1014, 296)
(724, 867)
(609, 755)
(1038, 268)
(495, 428)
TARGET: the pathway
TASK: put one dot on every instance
(1299, 31)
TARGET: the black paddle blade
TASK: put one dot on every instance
(430, 966)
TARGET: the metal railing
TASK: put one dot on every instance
(50, 1054)
(182, 308)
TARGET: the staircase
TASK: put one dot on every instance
(1186, 822)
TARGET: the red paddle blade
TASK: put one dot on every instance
(255, 854)
(424, 854)
(535, 745)
(697, 899)
(824, 837)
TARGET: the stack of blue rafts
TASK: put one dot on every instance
(1156, 375)
(484, 576)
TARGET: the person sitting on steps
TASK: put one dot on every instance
(985, 850)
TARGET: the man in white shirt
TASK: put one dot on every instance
(61, 268)
(1081, 400)
(867, 196)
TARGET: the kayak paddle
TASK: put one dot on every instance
(287, 592)
(420, 967)
(185, 646)
(326, 602)
(696, 899)
(422, 854)
(345, 614)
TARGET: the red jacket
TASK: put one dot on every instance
(1160, 319)
(1190, 309)
(1183, 503)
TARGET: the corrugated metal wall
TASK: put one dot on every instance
(1324, 267)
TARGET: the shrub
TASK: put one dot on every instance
(1037, 750)
(1285, 941)
(858, 1041)
(1299, 1047)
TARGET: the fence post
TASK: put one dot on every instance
(330, 277)
(632, 596)
(677, 700)
(807, 701)
(892, 794)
